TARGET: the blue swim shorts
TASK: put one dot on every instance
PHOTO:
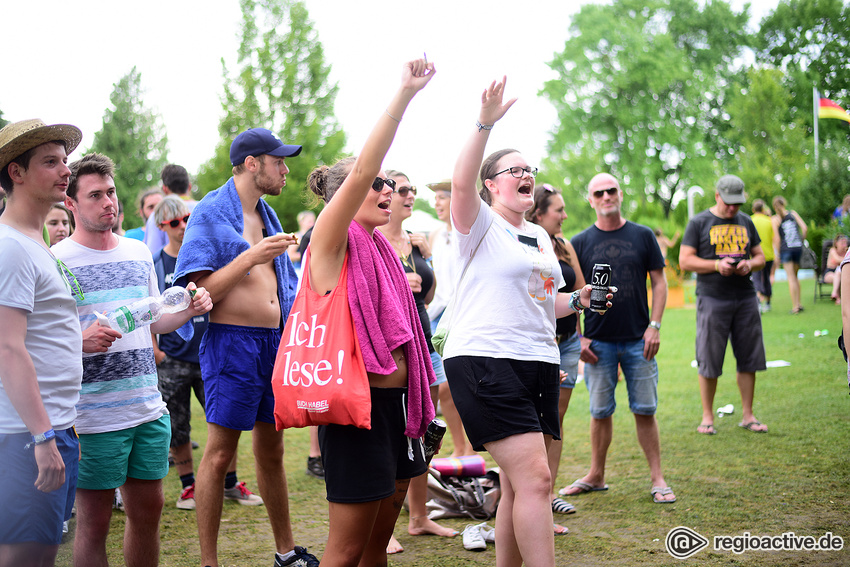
(28, 514)
(237, 364)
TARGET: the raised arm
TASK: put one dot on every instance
(330, 234)
(465, 199)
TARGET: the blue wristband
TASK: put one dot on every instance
(42, 438)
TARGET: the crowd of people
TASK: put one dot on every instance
(86, 410)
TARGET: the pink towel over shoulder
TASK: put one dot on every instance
(385, 318)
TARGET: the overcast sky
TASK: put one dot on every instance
(63, 59)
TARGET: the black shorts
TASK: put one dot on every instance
(177, 380)
(500, 397)
(362, 465)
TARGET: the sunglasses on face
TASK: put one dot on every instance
(378, 184)
(519, 172)
(403, 191)
(611, 191)
(174, 223)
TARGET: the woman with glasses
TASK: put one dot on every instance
(367, 472)
(414, 251)
(501, 357)
(548, 212)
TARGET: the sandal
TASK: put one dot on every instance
(561, 506)
(706, 429)
(662, 491)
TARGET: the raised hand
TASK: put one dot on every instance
(492, 107)
(416, 74)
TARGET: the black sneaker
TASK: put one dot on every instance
(302, 558)
(315, 467)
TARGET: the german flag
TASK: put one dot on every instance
(829, 109)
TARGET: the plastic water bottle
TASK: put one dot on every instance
(145, 311)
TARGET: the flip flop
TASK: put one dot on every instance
(582, 487)
(560, 530)
(662, 490)
(561, 506)
(707, 429)
(751, 426)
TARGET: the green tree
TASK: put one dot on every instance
(3, 121)
(772, 147)
(281, 84)
(640, 93)
(134, 137)
(810, 39)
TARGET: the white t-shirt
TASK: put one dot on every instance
(447, 267)
(120, 385)
(506, 301)
(30, 279)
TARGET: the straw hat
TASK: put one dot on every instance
(19, 137)
(444, 185)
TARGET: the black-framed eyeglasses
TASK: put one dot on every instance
(599, 192)
(403, 191)
(70, 280)
(174, 223)
(378, 184)
(519, 172)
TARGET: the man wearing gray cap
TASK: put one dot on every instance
(721, 245)
(234, 246)
(40, 348)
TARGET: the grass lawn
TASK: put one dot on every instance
(795, 479)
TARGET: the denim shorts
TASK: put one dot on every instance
(570, 349)
(791, 255)
(439, 371)
(137, 452)
(28, 514)
(237, 364)
(641, 378)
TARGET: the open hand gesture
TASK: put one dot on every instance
(492, 108)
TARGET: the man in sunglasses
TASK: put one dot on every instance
(234, 245)
(41, 369)
(625, 337)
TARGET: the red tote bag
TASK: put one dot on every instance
(319, 376)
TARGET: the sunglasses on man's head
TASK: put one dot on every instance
(403, 191)
(611, 191)
(378, 184)
(174, 223)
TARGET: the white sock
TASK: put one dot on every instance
(285, 556)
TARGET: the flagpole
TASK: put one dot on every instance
(815, 106)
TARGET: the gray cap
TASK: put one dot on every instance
(731, 189)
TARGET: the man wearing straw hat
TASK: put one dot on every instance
(40, 347)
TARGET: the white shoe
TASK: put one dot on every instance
(488, 533)
(472, 538)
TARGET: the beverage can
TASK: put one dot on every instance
(600, 281)
(433, 438)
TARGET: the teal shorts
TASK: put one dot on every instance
(138, 452)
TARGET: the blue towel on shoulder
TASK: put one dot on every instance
(213, 239)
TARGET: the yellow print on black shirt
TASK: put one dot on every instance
(729, 239)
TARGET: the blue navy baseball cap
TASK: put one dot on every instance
(256, 142)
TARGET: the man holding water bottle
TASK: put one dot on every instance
(122, 421)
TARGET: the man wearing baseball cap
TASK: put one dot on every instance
(40, 346)
(235, 247)
(723, 247)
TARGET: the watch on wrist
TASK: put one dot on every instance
(655, 325)
(42, 438)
